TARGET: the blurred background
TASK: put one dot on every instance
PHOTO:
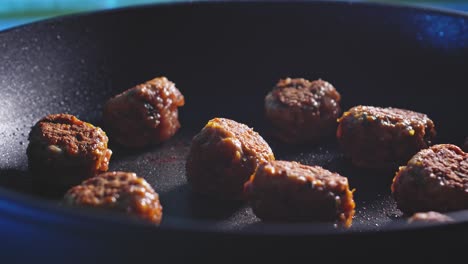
(17, 12)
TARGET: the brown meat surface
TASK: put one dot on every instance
(222, 157)
(376, 137)
(435, 179)
(118, 191)
(290, 191)
(145, 114)
(429, 217)
(63, 151)
(303, 111)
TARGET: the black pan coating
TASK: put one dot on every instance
(225, 58)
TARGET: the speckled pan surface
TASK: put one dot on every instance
(224, 58)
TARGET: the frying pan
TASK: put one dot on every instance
(224, 57)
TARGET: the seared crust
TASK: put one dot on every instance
(302, 110)
(429, 217)
(375, 137)
(290, 191)
(118, 191)
(145, 114)
(435, 179)
(64, 150)
(222, 157)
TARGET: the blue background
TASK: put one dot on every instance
(17, 12)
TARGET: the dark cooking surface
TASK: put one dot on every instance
(224, 58)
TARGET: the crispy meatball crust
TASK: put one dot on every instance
(118, 191)
(290, 191)
(63, 151)
(222, 157)
(429, 217)
(145, 114)
(435, 179)
(383, 138)
(303, 111)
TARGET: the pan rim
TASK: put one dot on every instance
(25, 208)
(401, 6)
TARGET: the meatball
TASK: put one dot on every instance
(435, 179)
(429, 217)
(383, 138)
(63, 151)
(222, 157)
(145, 114)
(303, 111)
(290, 191)
(120, 192)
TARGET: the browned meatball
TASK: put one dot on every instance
(118, 191)
(145, 114)
(435, 179)
(290, 191)
(63, 151)
(375, 137)
(222, 157)
(429, 217)
(303, 111)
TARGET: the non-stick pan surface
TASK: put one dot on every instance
(224, 58)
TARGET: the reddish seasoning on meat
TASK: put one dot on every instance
(63, 151)
(118, 191)
(303, 111)
(145, 114)
(376, 137)
(435, 179)
(290, 191)
(222, 157)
